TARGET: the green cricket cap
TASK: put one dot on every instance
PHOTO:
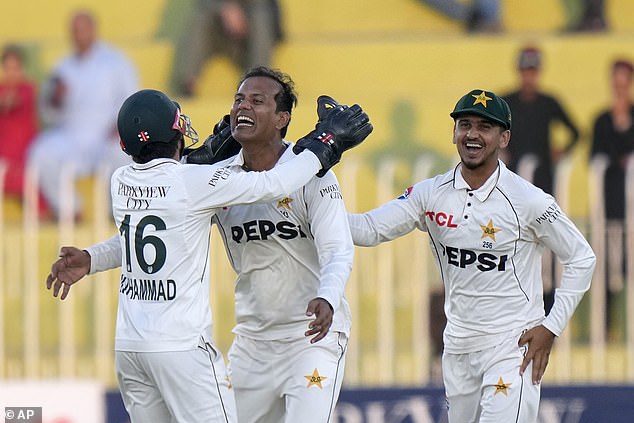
(485, 104)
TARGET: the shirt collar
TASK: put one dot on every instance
(238, 160)
(153, 163)
(485, 190)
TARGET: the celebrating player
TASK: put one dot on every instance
(167, 366)
(488, 229)
(293, 257)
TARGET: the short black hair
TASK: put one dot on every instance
(159, 150)
(286, 99)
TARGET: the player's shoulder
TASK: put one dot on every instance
(522, 194)
(425, 189)
(230, 161)
(328, 178)
(326, 187)
(438, 182)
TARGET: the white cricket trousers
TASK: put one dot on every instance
(176, 387)
(287, 381)
(486, 386)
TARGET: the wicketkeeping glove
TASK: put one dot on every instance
(338, 129)
(218, 146)
(326, 104)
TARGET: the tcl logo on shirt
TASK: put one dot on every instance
(441, 219)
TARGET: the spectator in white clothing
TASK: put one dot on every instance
(79, 106)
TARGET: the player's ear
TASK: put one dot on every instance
(283, 118)
(505, 138)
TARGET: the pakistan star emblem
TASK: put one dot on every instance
(285, 202)
(489, 230)
(315, 379)
(481, 99)
(501, 387)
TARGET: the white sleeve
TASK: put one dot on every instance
(105, 255)
(217, 186)
(329, 226)
(389, 221)
(556, 231)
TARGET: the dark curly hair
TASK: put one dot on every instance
(286, 99)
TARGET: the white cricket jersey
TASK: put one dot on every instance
(488, 244)
(163, 212)
(286, 253)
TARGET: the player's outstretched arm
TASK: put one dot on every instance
(323, 313)
(72, 265)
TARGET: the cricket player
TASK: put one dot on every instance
(293, 257)
(167, 366)
(488, 229)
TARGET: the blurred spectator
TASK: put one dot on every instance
(530, 149)
(585, 15)
(476, 15)
(244, 30)
(533, 113)
(613, 143)
(18, 117)
(80, 103)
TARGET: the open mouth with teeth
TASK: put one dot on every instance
(244, 121)
(473, 145)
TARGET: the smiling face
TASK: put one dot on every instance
(254, 115)
(478, 141)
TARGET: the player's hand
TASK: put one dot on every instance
(540, 341)
(339, 128)
(218, 146)
(322, 310)
(72, 265)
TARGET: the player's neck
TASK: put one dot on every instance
(262, 157)
(477, 176)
